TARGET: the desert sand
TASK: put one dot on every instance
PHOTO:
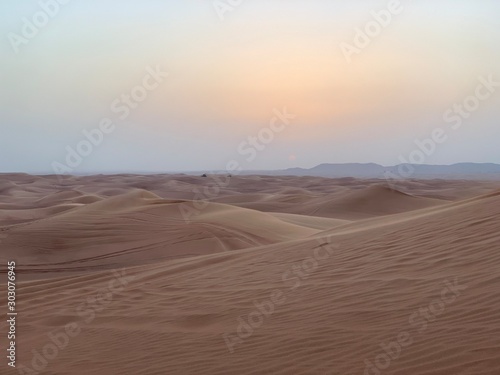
(178, 274)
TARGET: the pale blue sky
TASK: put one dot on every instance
(227, 76)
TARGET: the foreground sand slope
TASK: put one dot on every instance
(414, 293)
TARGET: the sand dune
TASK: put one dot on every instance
(375, 200)
(116, 231)
(348, 204)
(273, 275)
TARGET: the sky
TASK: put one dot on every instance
(159, 86)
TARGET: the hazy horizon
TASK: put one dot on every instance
(216, 76)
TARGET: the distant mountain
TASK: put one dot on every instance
(339, 170)
(488, 171)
